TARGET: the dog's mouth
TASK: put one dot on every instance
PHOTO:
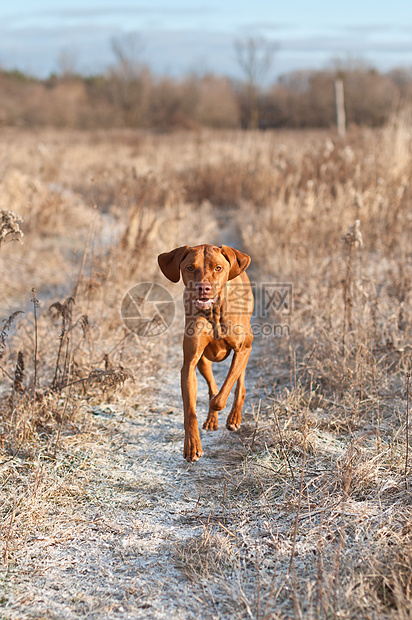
(204, 303)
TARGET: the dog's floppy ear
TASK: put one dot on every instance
(239, 261)
(169, 262)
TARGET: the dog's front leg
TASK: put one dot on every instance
(193, 447)
(193, 347)
(237, 368)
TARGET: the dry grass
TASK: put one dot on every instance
(306, 512)
(204, 556)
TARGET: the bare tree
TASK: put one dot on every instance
(128, 49)
(255, 57)
(129, 76)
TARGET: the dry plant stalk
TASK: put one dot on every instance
(7, 323)
(10, 227)
(19, 373)
(354, 240)
(65, 312)
(8, 534)
(35, 306)
(408, 376)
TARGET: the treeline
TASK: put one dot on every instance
(141, 100)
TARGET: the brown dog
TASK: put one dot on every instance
(218, 305)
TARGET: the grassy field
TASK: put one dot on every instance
(306, 510)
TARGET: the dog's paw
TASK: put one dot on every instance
(192, 450)
(233, 422)
(212, 421)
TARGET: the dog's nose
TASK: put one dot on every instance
(204, 289)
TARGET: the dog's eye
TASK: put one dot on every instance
(218, 268)
(190, 268)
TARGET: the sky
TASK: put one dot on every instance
(182, 36)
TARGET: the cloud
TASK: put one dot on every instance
(129, 10)
(333, 44)
(261, 27)
(98, 13)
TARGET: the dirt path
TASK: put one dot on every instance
(142, 512)
(136, 531)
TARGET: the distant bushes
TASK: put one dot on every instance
(307, 98)
(297, 100)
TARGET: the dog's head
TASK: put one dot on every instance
(205, 270)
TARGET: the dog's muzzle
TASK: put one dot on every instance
(205, 304)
